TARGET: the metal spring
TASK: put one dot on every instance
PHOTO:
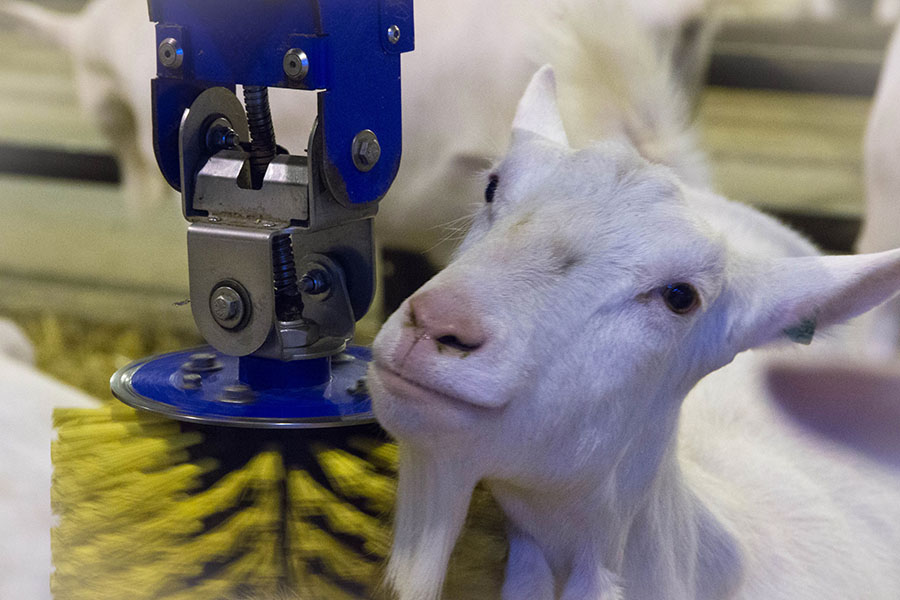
(262, 132)
(288, 303)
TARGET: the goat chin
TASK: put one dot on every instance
(433, 497)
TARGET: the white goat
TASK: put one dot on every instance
(881, 226)
(112, 48)
(573, 357)
(27, 400)
(886, 11)
(14, 343)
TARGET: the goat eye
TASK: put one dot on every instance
(681, 298)
(491, 189)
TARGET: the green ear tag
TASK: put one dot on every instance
(802, 333)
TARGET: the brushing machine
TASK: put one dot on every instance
(280, 246)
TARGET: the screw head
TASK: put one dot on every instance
(316, 281)
(170, 53)
(224, 308)
(202, 362)
(191, 381)
(366, 150)
(237, 394)
(296, 64)
(227, 307)
(393, 34)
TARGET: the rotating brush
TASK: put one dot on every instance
(150, 508)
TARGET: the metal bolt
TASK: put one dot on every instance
(393, 34)
(237, 394)
(315, 281)
(170, 53)
(361, 388)
(191, 381)
(226, 306)
(366, 150)
(296, 64)
(221, 136)
(202, 362)
(214, 219)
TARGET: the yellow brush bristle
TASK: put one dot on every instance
(354, 477)
(136, 514)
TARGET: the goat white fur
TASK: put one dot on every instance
(113, 85)
(886, 11)
(14, 343)
(630, 447)
(881, 226)
(27, 400)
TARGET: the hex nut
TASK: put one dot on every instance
(202, 362)
(299, 334)
(221, 136)
(237, 394)
(315, 281)
(191, 381)
(224, 307)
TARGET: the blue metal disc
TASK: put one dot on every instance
(249, 391)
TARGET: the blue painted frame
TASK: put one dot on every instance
(354, 66)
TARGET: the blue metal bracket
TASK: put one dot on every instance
(291, 371)
(353, 48)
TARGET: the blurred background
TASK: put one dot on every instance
(781, 111)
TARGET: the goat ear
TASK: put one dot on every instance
(856, 405)
(538, 110)
(789, 298)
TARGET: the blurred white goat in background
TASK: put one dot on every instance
(886, 11)
(589, 355)
(27, 400)
(14, 343)
(881, 224)
(112, 81)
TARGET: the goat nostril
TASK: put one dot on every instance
(457, 344)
